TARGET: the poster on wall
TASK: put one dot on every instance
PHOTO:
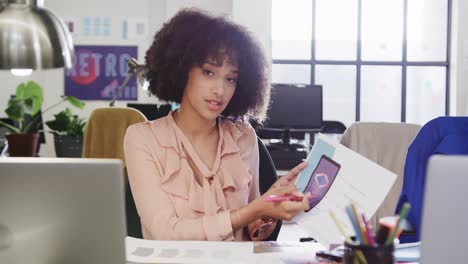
(98, 72)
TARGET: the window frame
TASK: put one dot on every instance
(404, 63)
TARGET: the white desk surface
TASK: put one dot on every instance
(290, 232)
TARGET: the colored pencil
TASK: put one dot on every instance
(401, 216)
(370, 237)
(361, 230)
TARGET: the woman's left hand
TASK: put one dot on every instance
(290, 177)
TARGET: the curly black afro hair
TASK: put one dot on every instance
(191, 38)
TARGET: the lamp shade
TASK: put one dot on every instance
(32, 37)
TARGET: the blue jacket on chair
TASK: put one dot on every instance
(443, 135)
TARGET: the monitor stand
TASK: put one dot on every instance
(286, 143)
(287, 153)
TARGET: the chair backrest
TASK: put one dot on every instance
(442, 135)
(132, 217)
(267, 170)
(105, 131)
(332, 127)
(386, 144)
(103, 138)
(267, 176)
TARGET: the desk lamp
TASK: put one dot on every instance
(32, 38)
(133, 68)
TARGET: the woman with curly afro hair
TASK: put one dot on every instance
(194, 173)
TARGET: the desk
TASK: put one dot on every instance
(287, 250)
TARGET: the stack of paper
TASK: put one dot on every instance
(359, 181)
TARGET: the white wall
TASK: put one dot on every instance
(459, 59)
(155, 12)
(53, 80)
(255, 15)
(215, 7)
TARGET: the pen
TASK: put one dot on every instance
(370, 237)
(382, 232)
(360, 255)
(362, 232)
(401, 216)
(354, 224)
(340, 227)
(282, 198)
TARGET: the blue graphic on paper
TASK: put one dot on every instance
(320, 148)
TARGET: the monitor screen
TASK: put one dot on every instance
(295, 107)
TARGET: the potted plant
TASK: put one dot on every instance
(23, 136)
(67, 129)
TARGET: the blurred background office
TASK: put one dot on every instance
(375, 60)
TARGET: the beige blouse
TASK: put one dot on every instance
(171, 203)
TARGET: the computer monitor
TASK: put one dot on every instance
(61, 210)
(295, 107)
(444, 231)
(152, 111)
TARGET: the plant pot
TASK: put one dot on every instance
(22, 145)
(68, 146)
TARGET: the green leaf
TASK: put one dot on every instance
(68, 112)
(28, 106)
(65, 123)
(31, 90)
(76, 102)
(61, 122)
(77, 126)
(20, 90)
(10, 127)
(15, 109)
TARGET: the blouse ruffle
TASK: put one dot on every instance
(178, 179)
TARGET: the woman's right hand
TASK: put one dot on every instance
(285, 210)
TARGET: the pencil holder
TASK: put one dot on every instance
(364, 254)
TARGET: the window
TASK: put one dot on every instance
(377, 60)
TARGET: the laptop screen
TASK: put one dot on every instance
(444, 232)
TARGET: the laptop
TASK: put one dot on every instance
(444, 233)
(59, 210)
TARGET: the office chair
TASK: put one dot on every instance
(386, 144)
(332, 127)
(103, 138)
(131, 213)
(152, 111)
(267, 176)
(105, 130)
(443, 135)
